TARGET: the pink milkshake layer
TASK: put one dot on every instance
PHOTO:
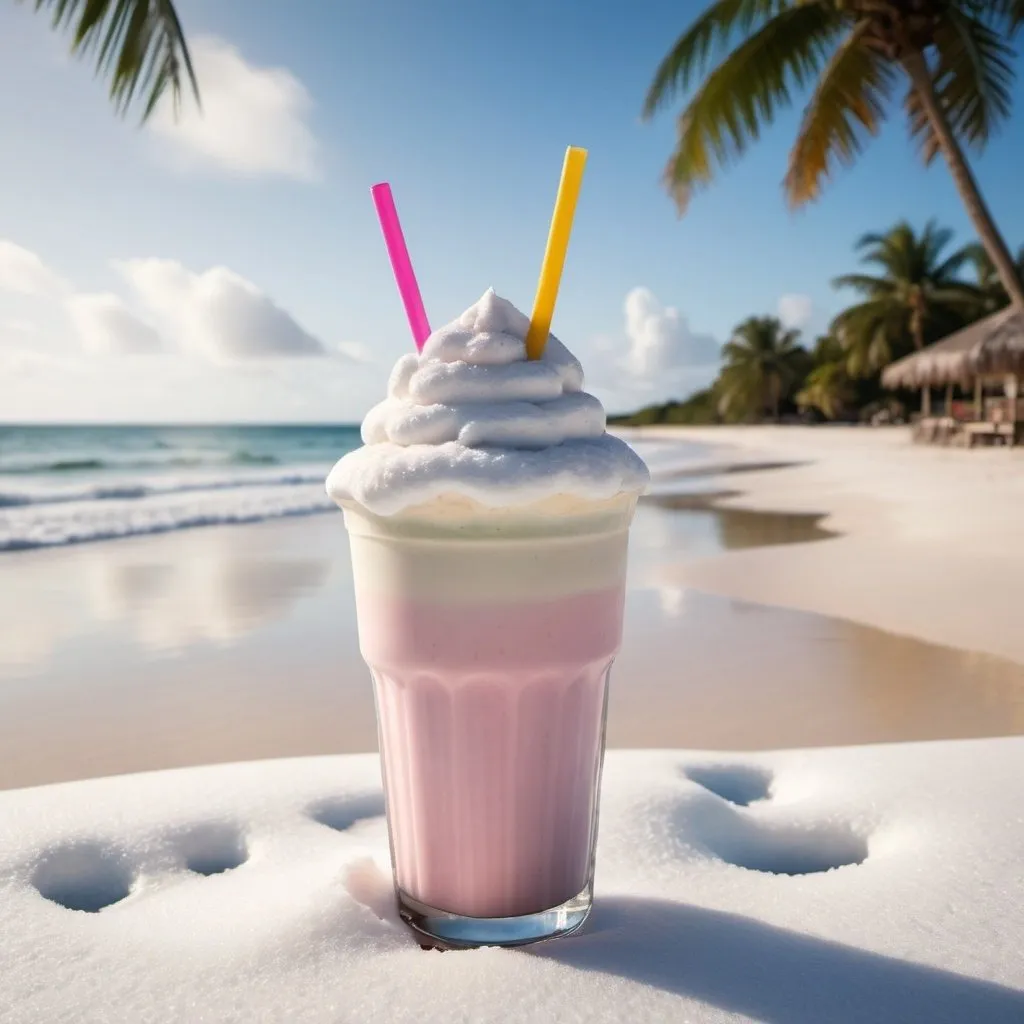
(491, 725)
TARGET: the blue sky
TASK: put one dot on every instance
(466, 107)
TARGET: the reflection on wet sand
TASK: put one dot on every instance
(219, 596)
(705, 671)
(165, 593)
(240, 642)
(181, 649)
(738, 528)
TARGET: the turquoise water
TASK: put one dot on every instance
(67, 484)
(63, 484)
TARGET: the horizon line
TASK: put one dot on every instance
(7, 424)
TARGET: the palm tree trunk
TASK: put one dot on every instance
(920, 76)
(917, 329)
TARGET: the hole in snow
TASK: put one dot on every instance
(342, 813)
(758, 839)
(212, 848)
(739, 784)
(788, 849)
(86, 876)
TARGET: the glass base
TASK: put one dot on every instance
(441, 930)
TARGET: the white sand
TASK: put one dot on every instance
(693, 922)
(933, 538)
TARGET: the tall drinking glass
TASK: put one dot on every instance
(489, 635)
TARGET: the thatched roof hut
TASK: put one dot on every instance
(992, 347)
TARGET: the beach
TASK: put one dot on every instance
(801, 607)
(851, 594)
(764, 769)
(929, 538)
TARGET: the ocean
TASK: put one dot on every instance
(66, 484)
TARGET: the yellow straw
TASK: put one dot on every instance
(554, 254)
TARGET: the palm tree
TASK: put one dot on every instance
(828, 387)
(916, 297)
(138, 44)
(761, 364)
(992, 294)
(954, 56)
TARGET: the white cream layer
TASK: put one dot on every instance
(471, 416)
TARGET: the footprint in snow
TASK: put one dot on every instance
(740, 784)
(341, 813)
(752, 841)
(211, 848)
(84, 876)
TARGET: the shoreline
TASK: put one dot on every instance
(928, 541)
(746, 628)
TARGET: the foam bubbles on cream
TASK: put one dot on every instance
(472, 416)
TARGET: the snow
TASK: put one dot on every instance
(260, 892)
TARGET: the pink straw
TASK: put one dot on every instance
(400, 263)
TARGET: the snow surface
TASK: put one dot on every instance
(260, 892)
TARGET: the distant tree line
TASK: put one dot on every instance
(913, 290)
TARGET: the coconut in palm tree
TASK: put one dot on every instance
(952, 59)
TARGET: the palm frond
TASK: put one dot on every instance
(744, 92)
(138, 44)
(848, 104)
(870, 238)
(950, 267)
(903, 255)
(973, 76)
(868, 331)
(861, 316)
(790, 341)
(827, 389)
(960, 296)
(931, 243)
(864, 283)
(827, 349)
(697, 47)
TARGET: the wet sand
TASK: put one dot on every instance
(239, 643)
(929, 540)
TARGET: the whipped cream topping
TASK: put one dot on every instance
(472, 416)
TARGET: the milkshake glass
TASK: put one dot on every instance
(489, 602)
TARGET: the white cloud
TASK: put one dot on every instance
(662, 357)
(252, 120)
(795, 311)
(355, 350)
(21, 270)
(28, 362)
(17, 326)
(218, 313)
(106, 326)
(660, 339)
